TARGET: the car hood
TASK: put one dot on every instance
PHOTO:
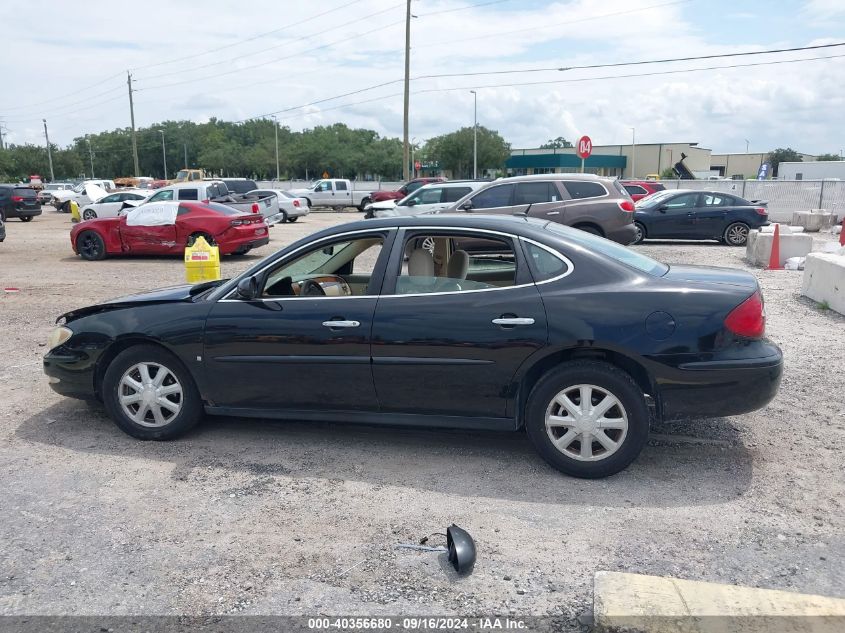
(383, 204)
(712, 275)
(300, 192)
(172, 294)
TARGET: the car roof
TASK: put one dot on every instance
(194, 183)
(530, 177)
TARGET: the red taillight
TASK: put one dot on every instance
(255, 207)
(625, 205)
(762, 211)
(296, 203)
(748, 319)
(206, 201)
(17, 199)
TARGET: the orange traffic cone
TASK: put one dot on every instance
(774, 258)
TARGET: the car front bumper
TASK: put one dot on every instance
(721, 387)
(70, 374)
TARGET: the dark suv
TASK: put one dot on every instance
(594, 204)
(18, 201)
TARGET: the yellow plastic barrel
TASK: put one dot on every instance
(202, 262)
(74, 211)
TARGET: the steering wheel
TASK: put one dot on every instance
(311, 288)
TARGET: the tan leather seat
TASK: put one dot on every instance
(458, 265)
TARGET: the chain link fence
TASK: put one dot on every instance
(784, 196)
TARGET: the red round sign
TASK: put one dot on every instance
(417, 165)
(584, 147)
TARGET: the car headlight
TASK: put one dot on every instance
(58, 336)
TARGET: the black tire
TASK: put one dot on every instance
(193, 238)
(293, 219)
(308, 202)
(736, 234)
(89, 214)
(65, 208)
(26, 218)
(90, 245)
(640, 234)
(607, 378)
(190, 405)
(362, 207)
(589, 228)
(285, 217)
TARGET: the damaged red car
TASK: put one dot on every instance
(166, 228)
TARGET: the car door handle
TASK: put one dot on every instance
(513, 321)
(341, 323)
(553, 213)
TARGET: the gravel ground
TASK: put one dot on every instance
(263, 517)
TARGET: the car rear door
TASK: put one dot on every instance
(451, 347)
(148, 240)
(711, 213)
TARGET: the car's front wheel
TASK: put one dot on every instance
(89, 214)
(587, 419)
(90, 245)
(363, 206)
(150, 395)
(26, 218)
(639, 233)
(736, 234)
(293, 219)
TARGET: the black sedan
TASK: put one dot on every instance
(698, 215)
(575, 338)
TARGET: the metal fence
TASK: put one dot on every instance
(784, 196)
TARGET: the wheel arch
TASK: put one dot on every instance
(633, 367)
(122, 344)
(588, 223)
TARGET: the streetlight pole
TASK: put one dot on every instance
(90, 155)
(474, 135)
(633, 153)
(405, 148)
(163, 153)
(276, 128)
(747, 143)
(49, 152)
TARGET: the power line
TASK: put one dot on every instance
(69, 94)
(471, 6)
(249, 39)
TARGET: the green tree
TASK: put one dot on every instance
(668, 174)
(454, 151)
(782, 155)
(827, 157)
(556, 143)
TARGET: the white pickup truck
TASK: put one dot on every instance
(217, 191)
(334, 192)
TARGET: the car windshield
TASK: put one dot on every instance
(653, 199)
(613, 250)
(80, 188)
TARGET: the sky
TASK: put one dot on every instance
(236, 61)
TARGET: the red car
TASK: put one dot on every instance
(409, 187)
(639, 189)
(166, 228)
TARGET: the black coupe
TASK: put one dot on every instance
(575, 338)
(698, 215)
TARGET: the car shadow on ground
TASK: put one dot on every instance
(712, 467)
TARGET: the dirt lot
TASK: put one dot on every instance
(271, 517)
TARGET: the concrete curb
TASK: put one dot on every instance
(653, 604)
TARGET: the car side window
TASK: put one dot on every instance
(411, 187)
(353, 260)
(188, 194)
(496, 196)
(715, 200)
(685, 201)
(584, 189)
(162, 195)
(430, 196)
(455, 263)
(453, 194)
(340, 185)
(535, 193)
(115, 197)
(544, 264)
(635, 190)
(324, 186)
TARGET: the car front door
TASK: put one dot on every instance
(293, 348)
(495, 199)
(447, 338)
(674, 217)
(322, 194)
(540, 199)
(149, 240)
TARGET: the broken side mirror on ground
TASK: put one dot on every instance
(460, 548)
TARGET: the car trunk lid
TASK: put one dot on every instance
(713, 275)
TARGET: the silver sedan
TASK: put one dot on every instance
(291, 208)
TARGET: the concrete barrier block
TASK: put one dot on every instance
(652, 604)
(824, 279)
(759, 246)
(813, 220)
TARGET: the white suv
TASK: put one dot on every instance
(429, 198)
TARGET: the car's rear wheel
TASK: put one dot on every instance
(736, 234)
(590, 228)
(639, 234)
(150, 395)
(90, 245)
(293, 219)
(26, 218)
(308, 202)
(89, 214)
(194, 236)
(587, 419)
(285, 217)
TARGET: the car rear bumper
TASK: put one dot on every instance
(23, 213)
(623, 235)
(721, 387)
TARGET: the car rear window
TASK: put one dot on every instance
(240, 186)
(610, 249)
(24, 192)
(657, 186)
(188, 194)
(582, 189)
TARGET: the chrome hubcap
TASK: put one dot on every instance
(737, 234)
(89, 215)
(586, 423)
(150, 394)
(638, 236)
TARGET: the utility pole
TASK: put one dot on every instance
(276, 128)
(90, 155)
(132, 118)
(633, 153)
(185, 145)
(405, 148)
(1, 134)
(413, 162)
(49, 152)
(163, 153)
(474, 135)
